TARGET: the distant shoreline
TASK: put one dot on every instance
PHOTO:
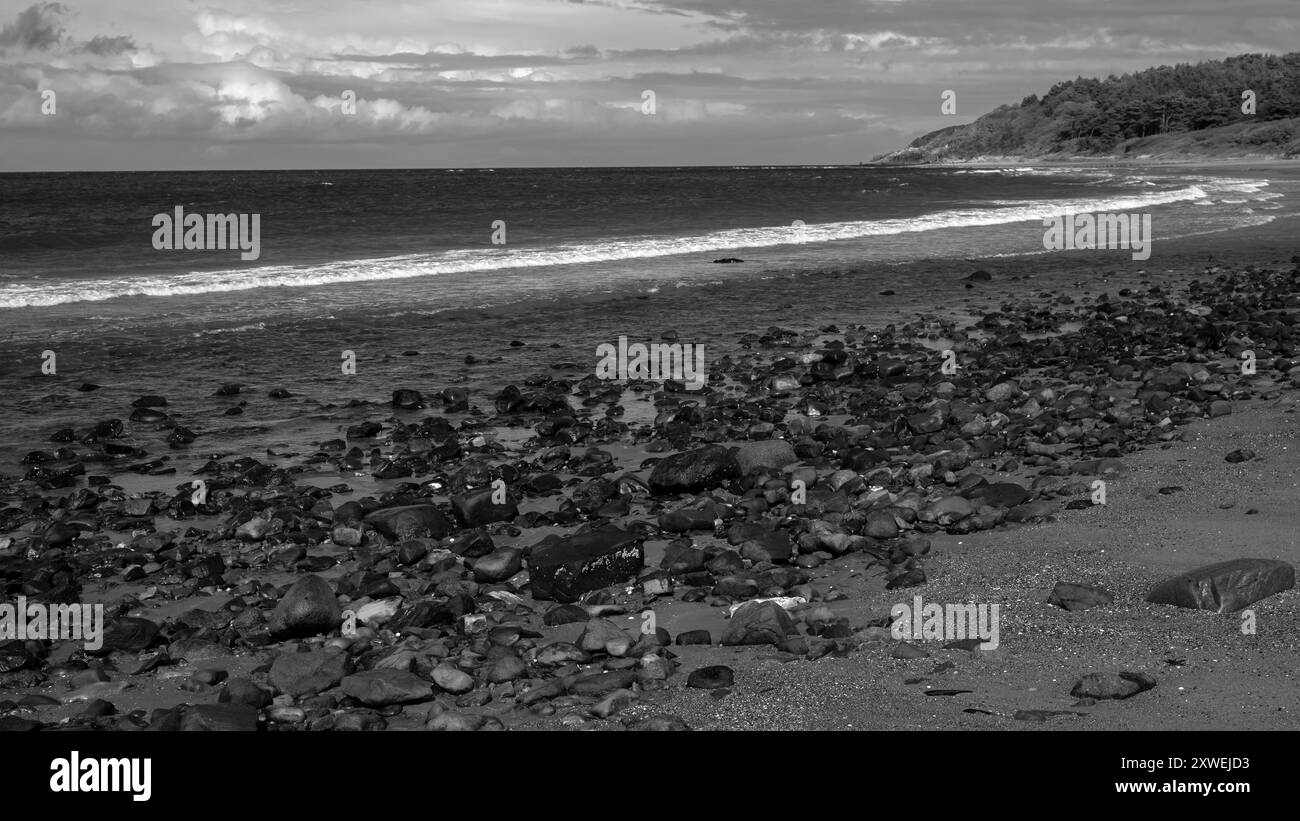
(1095, 162)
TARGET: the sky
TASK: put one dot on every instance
(264, 84)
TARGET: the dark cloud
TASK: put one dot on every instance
(37, 28)
(104, 46)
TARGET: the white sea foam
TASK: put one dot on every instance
(55, 292)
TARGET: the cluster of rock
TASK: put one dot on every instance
(439, 602)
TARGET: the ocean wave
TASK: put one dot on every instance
(408, 266)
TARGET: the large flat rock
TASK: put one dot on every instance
(410, 522)
(564, 569)
(693, 471)
(1225, 587)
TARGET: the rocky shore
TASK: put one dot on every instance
(549, 564)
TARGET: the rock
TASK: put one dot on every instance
(411, 551)
(406, 399)
(244, 691)
(379, 613)
(286, 715)
(410, 522)
(506, 668)
(1112, 685)
(254, 530)
(475, 508)
(680, 521)
(1000, 494)
(562, 569)
(390, 469)
(714, 677)
(951, 509)
(603, 636)
(682, 557)
(59, 534)
(1240, 455)
(138, 507)
(1225, 587)
(771, 545)
(310, 607)
(1070, 596)
(979, 275)
(209, 677)
(927, 421)
(662, 723)
(880, 524)
(455, 400)
(911, 578)
(542, 692)
(455, 722)
(602, 684)
(347, 536)
(305, 674)
(771, 454)
(181, 435)
(356, 721)
(380, 688)
(614, 703)
(694, 637)
(452, 679)
(97, 708)
(231, 717)
(1029, 511)
(564, 614)
(471, 544)
(498, 565)
(759, 623)
(1002, 391)
(693, 471)
(129, 635)
(365, 430)
(148, 416)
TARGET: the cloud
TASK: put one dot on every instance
(102, 45)
(36, 29)
(550, 82)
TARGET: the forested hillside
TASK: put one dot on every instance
(1120, 115)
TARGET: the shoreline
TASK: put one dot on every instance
(1234, 163)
